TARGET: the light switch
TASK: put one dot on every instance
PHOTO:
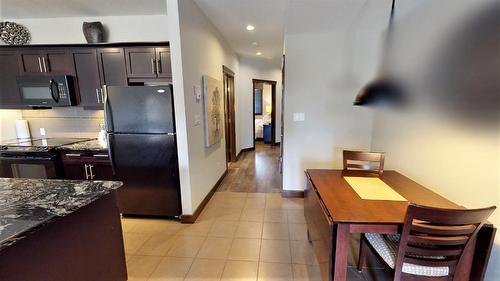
(299, 116)
(197, 93)
(42, 131)
(197, 120)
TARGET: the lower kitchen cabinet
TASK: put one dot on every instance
(81, 166)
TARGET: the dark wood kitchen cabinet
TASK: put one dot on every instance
(112, 66)
(146, 62)
(87, 166)
(96, 68)
(9, 69)
(45, 61)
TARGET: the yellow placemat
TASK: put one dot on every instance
(373, 189)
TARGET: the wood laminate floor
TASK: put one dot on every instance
(255, 171)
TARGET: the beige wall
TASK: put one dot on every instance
(200, 51)
(119, 28)
(447, 139)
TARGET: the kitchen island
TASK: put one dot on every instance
(60, 230)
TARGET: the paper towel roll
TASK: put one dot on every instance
(22, 129)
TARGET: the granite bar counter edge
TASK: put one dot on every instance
(26, 205)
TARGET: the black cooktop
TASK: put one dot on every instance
(36, 145)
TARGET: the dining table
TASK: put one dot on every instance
(334, 211)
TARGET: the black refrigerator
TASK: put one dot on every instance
(142, 149)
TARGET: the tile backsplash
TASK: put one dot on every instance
(64, 122)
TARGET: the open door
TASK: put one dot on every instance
(264, 111)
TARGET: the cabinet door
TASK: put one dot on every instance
(140, 62)
(112, 67)
(87, 77)
(9, 69)
(102, 171)
(164, 63)
(30, 61)
(74, 171)
(58, 61)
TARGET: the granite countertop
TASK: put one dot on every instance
(90, 145)
(28, 204)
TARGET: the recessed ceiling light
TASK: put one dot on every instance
(255, 43)
(258, 53)
(250, 27)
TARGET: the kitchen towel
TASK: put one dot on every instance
(22, 129)
(369, 188)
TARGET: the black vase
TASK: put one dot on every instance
(93, 31)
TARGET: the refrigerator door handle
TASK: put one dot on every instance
(110, 152)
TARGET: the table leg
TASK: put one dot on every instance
(341, 241)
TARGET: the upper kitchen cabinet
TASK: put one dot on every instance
(9, 93)
(164, 64)
(87, 77)
(45, 61)
(147, 62)
(112, 66)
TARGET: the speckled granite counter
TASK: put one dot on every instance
(27, 204)
(90, 145)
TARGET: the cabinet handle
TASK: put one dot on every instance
(153, 66)
(86, 173)
(44, 65)
(97, 95)
(91, 172)
(100, 155)
(73, 154)
(158, 66)
(40, 64)
(102, 95)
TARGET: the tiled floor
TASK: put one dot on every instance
(238, 237)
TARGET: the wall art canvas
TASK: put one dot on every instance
(213, 106)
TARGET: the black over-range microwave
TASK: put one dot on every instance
(47, 91)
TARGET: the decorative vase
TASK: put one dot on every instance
(93, 31)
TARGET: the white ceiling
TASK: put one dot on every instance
(323, 16)
(232, 16)
(15, 9)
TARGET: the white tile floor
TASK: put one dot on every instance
(238, 237)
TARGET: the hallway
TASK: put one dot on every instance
(255, 171)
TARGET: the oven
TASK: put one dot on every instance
(47, 91)
(45, 166)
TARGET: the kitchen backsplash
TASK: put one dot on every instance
(64, 122)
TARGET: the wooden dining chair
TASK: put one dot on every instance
(432, 244)
(372, 162)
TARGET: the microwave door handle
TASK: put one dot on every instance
(54, 94)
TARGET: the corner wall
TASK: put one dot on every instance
(197, 49)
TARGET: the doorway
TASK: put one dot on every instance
(264, 111)
(230, 132)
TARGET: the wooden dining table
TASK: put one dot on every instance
(334, 211)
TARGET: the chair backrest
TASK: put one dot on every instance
(372, 162)
(432, 232)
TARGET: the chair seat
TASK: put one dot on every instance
(386, 246)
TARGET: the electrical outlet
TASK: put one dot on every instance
(197, 93)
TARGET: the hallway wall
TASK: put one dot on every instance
(254, 69)
(197, 49)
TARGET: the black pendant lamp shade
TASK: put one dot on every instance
(382, 90)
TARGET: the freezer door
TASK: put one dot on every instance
(147, 165)
(139, 109)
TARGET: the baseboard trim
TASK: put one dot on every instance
(244, 150)
(292, 194)
(192, 218)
